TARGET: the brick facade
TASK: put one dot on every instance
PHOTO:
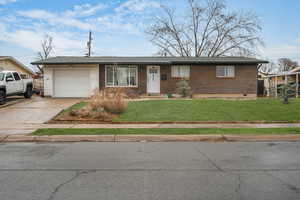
(203, 80)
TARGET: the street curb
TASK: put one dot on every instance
(149, 138)
(88, 121)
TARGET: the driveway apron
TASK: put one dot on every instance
(22, 116)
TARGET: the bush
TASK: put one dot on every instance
(132, 94)
(104, 104)
(183, 88)
(286, 91)
(169, 95)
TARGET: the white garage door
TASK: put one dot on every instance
(72, 83)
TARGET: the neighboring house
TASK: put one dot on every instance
(283, 77)
(208, 77)
(11, 64)
(291, 77)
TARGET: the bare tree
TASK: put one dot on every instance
(268, 68)
(47, 48)
(286, 64)
(208, 29)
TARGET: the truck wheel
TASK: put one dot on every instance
(2, 97)
(28, 93)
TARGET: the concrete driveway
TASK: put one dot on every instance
(18, 117)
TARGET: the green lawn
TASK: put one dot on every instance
(211, 110)
(269, 110)
(164, 131)
(76, 106)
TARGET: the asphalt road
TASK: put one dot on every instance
(160, 171)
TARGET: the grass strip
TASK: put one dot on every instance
(164, 131)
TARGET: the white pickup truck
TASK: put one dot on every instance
(11, 84)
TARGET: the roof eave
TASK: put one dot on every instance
(151, 63)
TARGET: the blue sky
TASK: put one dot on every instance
(118, 26)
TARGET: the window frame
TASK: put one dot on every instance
(16, 76)
(122, 86)
(225, 71)
(178, 67)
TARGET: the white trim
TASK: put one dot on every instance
(283, 74)
(148, 67)
(127, 86)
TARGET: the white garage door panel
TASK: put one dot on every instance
(71, 83)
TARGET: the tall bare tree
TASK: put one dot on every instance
(286, 64)
(46, 50)
(208, 29)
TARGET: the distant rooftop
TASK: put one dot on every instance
(18, 63)
(147, 60)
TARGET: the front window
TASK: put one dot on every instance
(1, 76)
(180, 71)
(121, 75)
(225, 71)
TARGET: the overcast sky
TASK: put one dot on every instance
(118, 26)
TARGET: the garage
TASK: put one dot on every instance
(72, 83)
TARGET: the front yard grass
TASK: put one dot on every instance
(164, 131)
(267, 110)
(211, 110)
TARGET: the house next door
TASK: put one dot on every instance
(153, 79)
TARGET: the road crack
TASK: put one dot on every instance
(57, 188)
(238, 187)
(288, 185)
(211, 161)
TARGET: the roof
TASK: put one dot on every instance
(21, 65)
(146, 60)
(297, 69)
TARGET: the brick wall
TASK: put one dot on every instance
(203, 80)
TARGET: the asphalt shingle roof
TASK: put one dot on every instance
(146, 60)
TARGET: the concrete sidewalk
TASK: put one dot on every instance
(28, 128)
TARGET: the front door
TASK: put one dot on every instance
(153, 79)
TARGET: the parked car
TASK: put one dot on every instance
(11, 83)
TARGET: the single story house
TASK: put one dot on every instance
(11, 64)
(208, 77)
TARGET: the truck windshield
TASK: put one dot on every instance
(1, 76)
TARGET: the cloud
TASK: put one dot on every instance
(4, 2)
(84, 10)
(56, 19)
(116, 31)
(136, 6)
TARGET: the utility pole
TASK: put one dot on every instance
(89, 44)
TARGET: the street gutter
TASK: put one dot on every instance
(150, 138)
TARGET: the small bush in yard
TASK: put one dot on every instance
(132, 94)
(286, 91)
(183, 88)
(103, 105)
